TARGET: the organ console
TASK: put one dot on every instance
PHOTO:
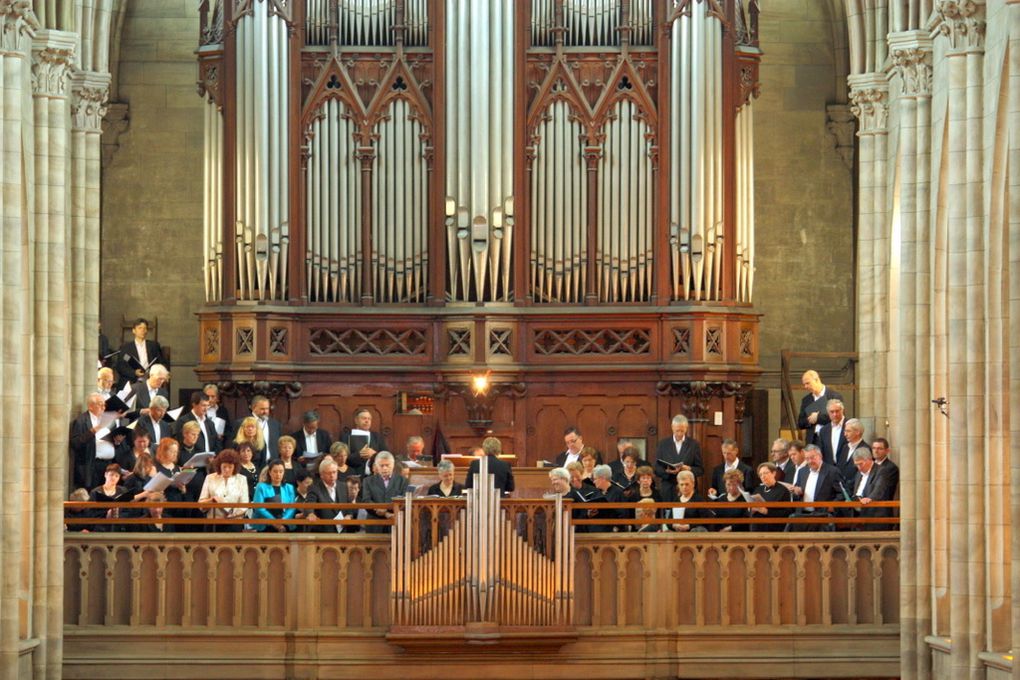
(400, 194)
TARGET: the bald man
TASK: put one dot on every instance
(813, 413)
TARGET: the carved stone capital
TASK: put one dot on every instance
(19, 27)
(52, 61)
(914, 67)
(869, 98)
(840, 125)
(89, 94)
(962, 22)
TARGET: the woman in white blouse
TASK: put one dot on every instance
(223, 487)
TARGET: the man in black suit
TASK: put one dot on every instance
(271, 428)
(503, 476)
(155, 384)
(216, 409)
(208, 440)
(818, 482)
(813, 414)
(362, 442)
(731, 461)
(326, 489)
(136, 355)
(311, 438)
(780, 455)
(82, 442)
(871, 483)
(677, 454)
(382, 487)
(831, 438)
(853, 432)
(153, 423)
(574, 443)
(880, 451)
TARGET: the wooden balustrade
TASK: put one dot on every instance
(644, 605)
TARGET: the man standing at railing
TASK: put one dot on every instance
(872, 483)
(817, 482)
(383, 487)
(812, 407)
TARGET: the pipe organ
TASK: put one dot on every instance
(413, 191)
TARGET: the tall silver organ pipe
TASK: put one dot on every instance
(400, 197)
(365, 23)
(261, 231)
(591, 23)
(625, 209)
(212, 208)
(559, 209)
(479, 149)
(332, 207)
(745, 202)
(696, 172)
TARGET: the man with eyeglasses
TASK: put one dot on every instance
(780, 455)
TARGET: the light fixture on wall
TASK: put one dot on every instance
(480, 393)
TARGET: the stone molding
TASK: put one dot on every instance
(869, 98)
(89, 94)
(962, 21)
(115, 123)
(19, 27)
(52, 62)
(911, 54)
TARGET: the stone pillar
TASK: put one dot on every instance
(1014, 316)
(46, 442)
(911, 53)
(18, 28)
(89, 91)
(962, 25)
(869, 97)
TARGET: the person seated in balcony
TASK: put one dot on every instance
(78, 496)
(249, 432)
(414, 451)
(447, 486)
(274, 489)
(326, 489)
(222, 487)
(622, 447)
(687, 494)
(780, 455)
(731, 461)
(642, 513)
(303, 480)
(382, 487)
(816, 482)
(577, 480)
(646, 485)
(734, 483)
(340, 454)
(131, 448)
(189, 435)
(559, 482)
(626, 476)
(771, 491)
(287, 446)
(588, 460)
(605, 491)
(144, 470)
(246, 467)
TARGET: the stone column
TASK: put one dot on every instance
(962, 26)
(869, 98)
(18, 28)
(52, 59)
(911, 53)
(89, 91)
(1014, 316)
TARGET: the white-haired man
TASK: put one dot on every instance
(675, 454)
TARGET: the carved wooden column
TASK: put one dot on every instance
(46, 446)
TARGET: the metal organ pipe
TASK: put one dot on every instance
(479, 179)
(261, 187)
(213, 202)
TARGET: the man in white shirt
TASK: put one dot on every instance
(87, 471)
(832, 438)
(135, 356)
(271, 428)
(311, 439)
(813, 414)
(152, 386)
(854, 433)
(574, 443)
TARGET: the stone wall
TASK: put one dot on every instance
(152, 188)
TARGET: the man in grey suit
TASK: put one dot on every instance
(326, 490)
(382, 487)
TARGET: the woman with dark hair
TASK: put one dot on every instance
(246, 467)
(223, 487)
(274, 490)
(771, 491)
(627, 475)
(110, 491)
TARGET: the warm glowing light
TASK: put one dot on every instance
(480, 383)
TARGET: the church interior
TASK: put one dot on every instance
(542, 261)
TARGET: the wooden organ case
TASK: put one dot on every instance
(402, 195)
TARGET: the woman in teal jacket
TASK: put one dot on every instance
(275, 490)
